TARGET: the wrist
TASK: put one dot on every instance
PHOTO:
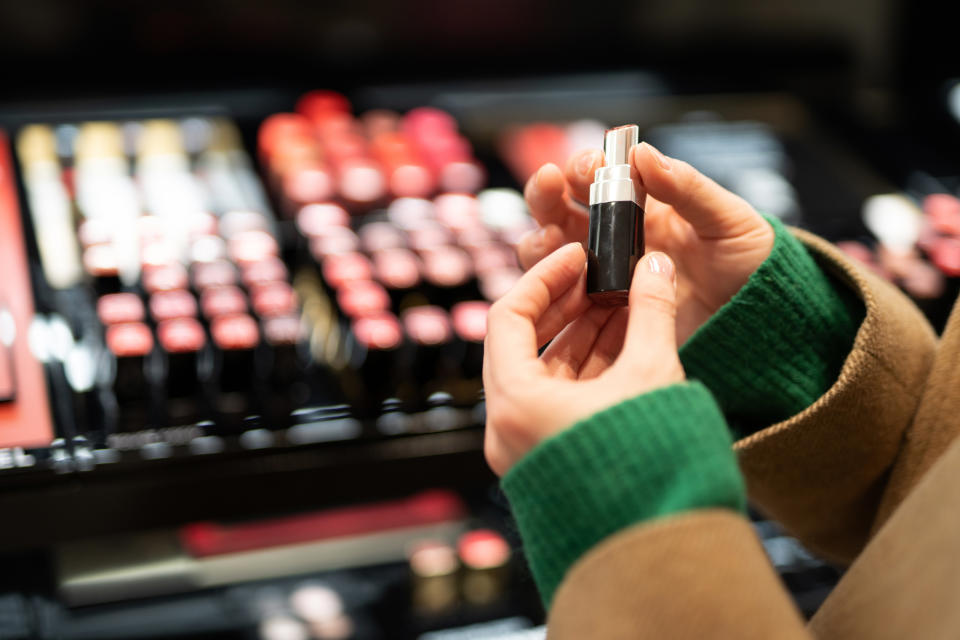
(779, 343)
(660, 453)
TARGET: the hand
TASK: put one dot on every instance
(716, 237)
(599, 356)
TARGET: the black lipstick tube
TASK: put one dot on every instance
(615, 239)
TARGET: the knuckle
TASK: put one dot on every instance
(496, 314)
(660, 300)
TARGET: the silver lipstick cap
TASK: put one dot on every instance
(614, 181)
(617, 144)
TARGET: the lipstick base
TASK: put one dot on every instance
(614, 245)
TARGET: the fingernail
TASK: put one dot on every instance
(586, 162)
(537, 176)
(534, 238)
(660, 264)
(659, 157)
(539, 236)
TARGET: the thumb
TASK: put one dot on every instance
(653, 305)
(713, 211)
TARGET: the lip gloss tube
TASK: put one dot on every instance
(50, 206)
(118, 308)
(495, 283)
(491, 256)
(449, 272)
(207, 248)
(407, 175)
(282, 334)
(218, 273)
(8, 376)
(252, 246)
(101, 264)
(266, 271)
(430, 334)
(615, 237)
(222, 301)
(182, 341)
(320, 104)
(470, 325)
(317, 218)
(340, 268)
(399, 270)
(167, 278)
(304, 185)
(428, 235)
(274, 299)
(486, 561)
(458, 211)
(376, 344)
(377, 236)
(333, 241)
(235, 339)
(131, 344)
(281, 367)
(167, 305)
(358, 298)
(278, 130)
(378, 121)
(409, 213)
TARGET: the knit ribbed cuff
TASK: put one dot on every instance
(780, 343)
(660, 453)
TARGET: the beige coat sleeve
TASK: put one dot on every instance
(702, 574)
(824, 472)
(831, 475)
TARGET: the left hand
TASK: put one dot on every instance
(717, 238)
(599, 356)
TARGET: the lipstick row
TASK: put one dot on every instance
(164, 229)
(442, 249)
(917, 241)
(194, 301)
(322, 152)
(409, 268)
(407, 292)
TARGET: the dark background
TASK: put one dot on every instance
(874, 71)
(863, 52)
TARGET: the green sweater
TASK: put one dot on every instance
(767, 354)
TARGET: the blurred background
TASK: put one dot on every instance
(225, 410)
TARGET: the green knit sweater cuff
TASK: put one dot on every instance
(780, 343)
(657, 454)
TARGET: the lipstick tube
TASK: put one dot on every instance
(183, 343)
(615, 238)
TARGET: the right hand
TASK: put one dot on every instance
(598, 356)
(716, 239)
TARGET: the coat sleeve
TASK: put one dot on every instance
(700, 574)
(823, 473)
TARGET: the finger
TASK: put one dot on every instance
(563, 310)
(512, 323)
(579, 173)
(566, 354)
(536, 245)
(607, 347)
(713, 211)
(653, 305)
(546, 195)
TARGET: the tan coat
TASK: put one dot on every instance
(870, 473)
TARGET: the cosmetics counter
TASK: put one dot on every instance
(240, 348)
